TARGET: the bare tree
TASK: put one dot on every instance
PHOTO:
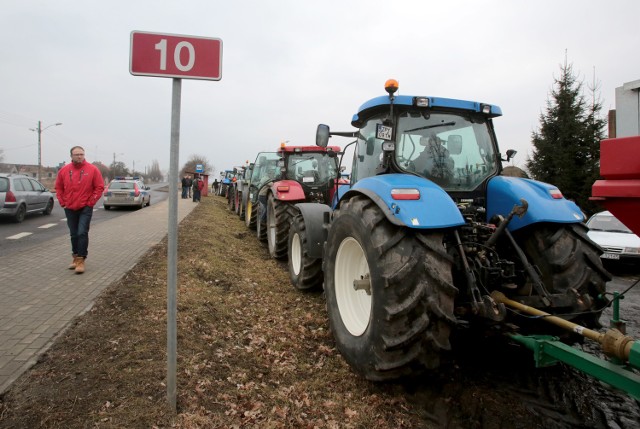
(190, 165)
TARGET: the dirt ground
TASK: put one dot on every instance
(255, 353)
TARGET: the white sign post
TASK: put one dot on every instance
(178, 57)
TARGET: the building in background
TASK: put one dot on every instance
(624, 121)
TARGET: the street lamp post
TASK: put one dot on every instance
(40, 130)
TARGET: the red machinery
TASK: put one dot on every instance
(619, 192)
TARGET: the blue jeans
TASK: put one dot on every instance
(185, 189)
(78, 222)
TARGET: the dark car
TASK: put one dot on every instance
(20, 195)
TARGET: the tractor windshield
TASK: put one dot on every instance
(454, 151)
(265, 168)
(311, 168)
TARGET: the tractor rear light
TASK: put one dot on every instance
(486, 108)
(421, 101)
(282, 188)
(405, 194)
(10, 197)
(297, 149)
(555, 194)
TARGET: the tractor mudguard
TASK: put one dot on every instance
(313, 214)
(287, 190)
(505, 192)
(433, 209)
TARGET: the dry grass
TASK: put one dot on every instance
(252, 351)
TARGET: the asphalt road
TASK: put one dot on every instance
(37, 228)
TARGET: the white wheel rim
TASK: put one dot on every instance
(354, 305)
(296, 254)
(271, 226)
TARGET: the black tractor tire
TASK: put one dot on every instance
(242, 209)
(261, 225)
(402, 327)
(49, 208)
(568, 262)
(305, 272)
(231, 199)
(20, 214)
(278, 221)
(237, 201)
(251, 215)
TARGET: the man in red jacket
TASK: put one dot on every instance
(79, 186)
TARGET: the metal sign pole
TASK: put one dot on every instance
(172, 246)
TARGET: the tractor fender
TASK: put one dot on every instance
(314, 224)
(505, 192)
(287, 190)
(433, 209)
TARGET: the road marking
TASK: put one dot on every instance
(18, 236)
(49, 225)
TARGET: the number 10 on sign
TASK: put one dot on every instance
(177, 56)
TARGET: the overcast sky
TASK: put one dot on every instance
(287, 66)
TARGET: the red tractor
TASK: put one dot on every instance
(307, 174)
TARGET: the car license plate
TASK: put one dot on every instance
(610, 256)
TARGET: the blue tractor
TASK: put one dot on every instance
(429, 232)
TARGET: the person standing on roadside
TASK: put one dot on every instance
(185, 186)
(189, 185)
(198, 186)
(79, 186)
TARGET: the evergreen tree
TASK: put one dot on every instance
(567, 146)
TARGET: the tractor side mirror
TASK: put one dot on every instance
(322, 135)
(510, 154)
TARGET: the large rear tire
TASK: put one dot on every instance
(277, 227)
(569, 262)
(305, 272)
(402, 326)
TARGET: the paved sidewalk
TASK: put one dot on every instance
(39, 296)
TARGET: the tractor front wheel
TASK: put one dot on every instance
(250, 215)
(389, 293)
(305, 272)
(277, 227)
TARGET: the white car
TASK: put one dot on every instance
(126, 192)
(617, 241)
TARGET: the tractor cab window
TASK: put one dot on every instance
(265, 168)
(311, 168)
(368, 154)
(456, 152)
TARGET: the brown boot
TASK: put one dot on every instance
(79, 265)
(73, 264)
